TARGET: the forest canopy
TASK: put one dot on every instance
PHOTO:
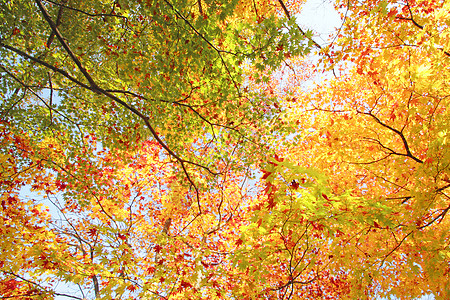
(216, 149)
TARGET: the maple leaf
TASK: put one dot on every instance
(131, 288)
(271, 202)
(266, 174)
(92, 232)
(157, 248)
(185, 284)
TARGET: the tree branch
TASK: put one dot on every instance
(95, 88)
(219, 52)
(58, 22)
(399, 133)
(288, 15)
(64, 44)
(411, 18)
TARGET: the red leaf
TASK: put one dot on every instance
(92, 232)
(185, 284)
(259, 222)
(392, 13)
(277, 158)
(266, 174)
(11, 284)
(131, 288)
(271, 203)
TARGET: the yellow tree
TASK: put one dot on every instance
(379, 130)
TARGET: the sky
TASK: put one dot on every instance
(321, 17)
